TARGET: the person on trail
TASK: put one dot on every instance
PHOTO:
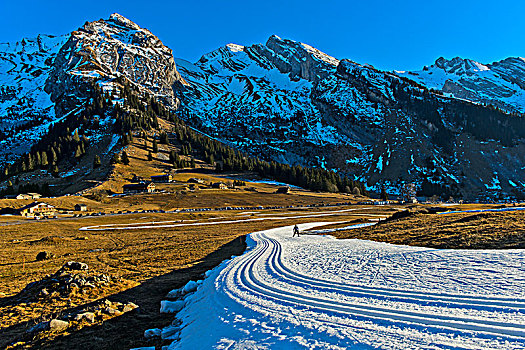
(295, 231)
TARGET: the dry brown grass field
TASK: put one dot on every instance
(486, 230)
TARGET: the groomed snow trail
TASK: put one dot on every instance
(318, 292)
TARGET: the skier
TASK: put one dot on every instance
(295, 231)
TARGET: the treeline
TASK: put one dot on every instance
(315, 179)
(227, 158)
(63, 140)
(11, 189)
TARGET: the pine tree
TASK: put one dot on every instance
(155, 146)
(78, 152)
(76, 138)
(124, 158)
(96, 162)
(164, 138)
(43, 158)
(53, 156)
(38, 160)
(384, 195)
(115, 159)
(30, 162)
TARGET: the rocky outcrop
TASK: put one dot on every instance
(300, 61)
(106, 49)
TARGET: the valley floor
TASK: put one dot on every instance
(320, 292)
(312, 291)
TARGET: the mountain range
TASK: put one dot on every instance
(453, 128)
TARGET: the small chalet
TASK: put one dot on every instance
(37, 209)
(29, 196)
(80, 207)
(162, 178)
(284, 190)
(143, 187)
(219, 185)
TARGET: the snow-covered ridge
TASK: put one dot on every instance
(24, 68)
(501, 83)
(295, 104)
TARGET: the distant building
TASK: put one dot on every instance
(29, 196)
(142, 187)
(80, 207)
(219, 185)
(284, 190)
(162, 178)
(37, 209)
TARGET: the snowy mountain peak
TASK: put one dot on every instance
(45, 78)
(460, 66)
(501, 83)
(106, 49)
(235, 47)
(292, 47)
(123, 21)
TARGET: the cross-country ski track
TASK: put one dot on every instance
(178, 223)
(318, 292)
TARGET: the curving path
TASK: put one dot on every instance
(178, 223)
(319, 292)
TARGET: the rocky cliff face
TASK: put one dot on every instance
(258, 98)
(501, 83)
(106, 49)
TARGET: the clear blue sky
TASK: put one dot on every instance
(387, 34)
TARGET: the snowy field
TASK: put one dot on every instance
(317, 292)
